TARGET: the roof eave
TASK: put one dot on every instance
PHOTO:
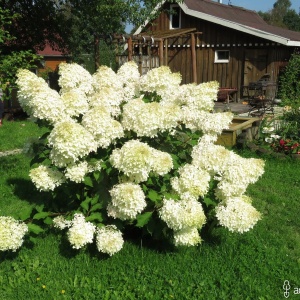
(293, 43)
(157, 7)
(246, 29)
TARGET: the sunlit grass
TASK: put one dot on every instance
(253, 265)
(14, 134)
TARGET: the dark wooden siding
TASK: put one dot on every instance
(216, 37)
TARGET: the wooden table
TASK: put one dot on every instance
(226, 94)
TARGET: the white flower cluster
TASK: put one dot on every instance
(12, 233)
(234, 174)
(45, 178)
(187, 237)
(192, 182)
(147, 119)
(80, 233)
(127, 200)
(129, 75)
(198, 97)
(208, 123)
(182, 214)
(185, 217)
(70, 141)
(101, 110)
(136, 160)
(160, 80)
(37, 99)
(237, 214)
(109, 240)
(76, 172)
(103, 127)
(61, 223)
(108, 100)
(237, 175)
(74, 77)
(75, 102)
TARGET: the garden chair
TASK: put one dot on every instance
(262, 101)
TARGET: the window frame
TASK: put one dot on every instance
(175, 7)
(221, 60)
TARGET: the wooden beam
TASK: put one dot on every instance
(194, 59)
(129, 43)
(161, 52)
(166, 53)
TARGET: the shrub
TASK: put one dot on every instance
(289, 90)
(125, 150)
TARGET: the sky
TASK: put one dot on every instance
(262, 5)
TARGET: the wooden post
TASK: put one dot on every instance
(161, 52)
(129, 42)
(194, 58)
(166, 52)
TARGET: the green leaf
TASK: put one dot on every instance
(48, 221)
(144, 187)
(33, 239)
(153, 196)
(39, 208)
(35, 228)
(96, 206)
(25, 213)
(143, 219)
(85, 204)
(209, 202)
(171, 196)
(40, 215)
(95, 216)
(96, 175)
(88, 181)
(94, 200)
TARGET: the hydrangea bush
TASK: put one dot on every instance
(126, 150)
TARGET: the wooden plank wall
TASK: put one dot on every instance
(216, 37)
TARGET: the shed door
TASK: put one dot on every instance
(255, 65)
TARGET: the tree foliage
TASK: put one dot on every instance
(290, 82)
(282, 15)
(10, 63)
(33, 23)
(75, 27)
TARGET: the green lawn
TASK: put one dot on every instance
(226, 266)
(13, 134)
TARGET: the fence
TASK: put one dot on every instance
(145, 62)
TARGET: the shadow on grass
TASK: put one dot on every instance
(25, 190)
(66, 250)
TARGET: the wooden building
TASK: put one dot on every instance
(50, 62)
(206, 40)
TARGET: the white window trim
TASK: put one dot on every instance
(172, 6)
(217, 60)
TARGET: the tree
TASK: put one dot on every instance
(34, 23)
(292, 20)
(72, 26)
(289, 89)
(9, 63)
(282, 15)
(86, 22)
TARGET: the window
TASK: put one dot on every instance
(175, 17)
(222, 56)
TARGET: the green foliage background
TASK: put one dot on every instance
(289, 90)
